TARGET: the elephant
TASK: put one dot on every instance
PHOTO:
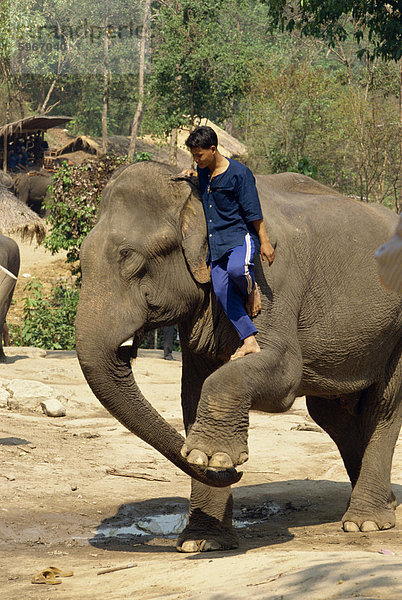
(328, 330)
(9, 267)
(32, 188)
(6, 180)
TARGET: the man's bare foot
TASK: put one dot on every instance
(253, 302)
(250, 346)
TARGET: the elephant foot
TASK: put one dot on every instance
(217, 461)
(3, 358)
(215, 452)
(375, 520)
(201, 539)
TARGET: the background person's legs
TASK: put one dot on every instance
(168, 334)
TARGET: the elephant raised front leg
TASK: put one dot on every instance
(266, 381)
(366, 442)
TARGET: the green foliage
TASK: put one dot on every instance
(375, 24)
(304, 167)
(73, 201)
(340, 113)
(202, 61)
(48, 321)
(71, 216)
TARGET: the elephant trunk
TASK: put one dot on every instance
(110, 377)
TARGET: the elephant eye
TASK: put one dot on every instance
(131, 262)
(124, 252)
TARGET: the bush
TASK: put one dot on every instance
(73, 201)
(48, 321)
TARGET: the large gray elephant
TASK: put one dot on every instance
(327, 330)
(9, 267)
(32, 188)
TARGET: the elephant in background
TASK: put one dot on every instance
(6, 180)
(32, 188)
(10, 264)
(327, 330)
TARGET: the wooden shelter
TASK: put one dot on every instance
(117, 144)
(22, 129)
(82, 147)
(17, 219)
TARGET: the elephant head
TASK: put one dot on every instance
(143, 266)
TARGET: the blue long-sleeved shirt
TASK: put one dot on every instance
(230, 204)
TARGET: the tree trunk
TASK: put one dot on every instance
(399, 191)
(7, 117)
(138, 112)
(42, 108)
(173, 146)
(106, 78)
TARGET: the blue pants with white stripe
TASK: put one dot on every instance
(233, 280)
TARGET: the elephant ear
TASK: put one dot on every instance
(194, 238)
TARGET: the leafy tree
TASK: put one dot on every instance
(379, 21)
(73, 202)
(201, 61)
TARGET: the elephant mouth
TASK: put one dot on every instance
(128, 350)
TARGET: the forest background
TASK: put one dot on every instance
(308, 86)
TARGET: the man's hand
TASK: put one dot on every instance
(267, 251)
(188, 173)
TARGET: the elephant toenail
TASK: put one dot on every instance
(369, 526)
(189, 546)
(209, 545)
(243, 458)
(196, 457)
(349, 526)
(184, 450)
(387, 526)
(221, 460)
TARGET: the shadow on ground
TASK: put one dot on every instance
(264, 515)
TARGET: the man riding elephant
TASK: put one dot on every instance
(327, 329)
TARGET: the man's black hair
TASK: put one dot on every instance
(202, 137)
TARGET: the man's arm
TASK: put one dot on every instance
(266, 249)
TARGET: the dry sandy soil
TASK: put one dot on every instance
(60, 506)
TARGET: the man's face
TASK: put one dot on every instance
(204, 157)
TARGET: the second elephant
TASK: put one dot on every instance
(10, 264)
(31, 189)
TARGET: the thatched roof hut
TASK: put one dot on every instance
(80, 148)
(228, 145)
(31, 124)
(16, 218)
(25, 127)
(117, 144)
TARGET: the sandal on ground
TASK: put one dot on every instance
(47, 577)
(59, 573)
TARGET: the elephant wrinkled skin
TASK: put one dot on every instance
(10, 260)
(327, 330)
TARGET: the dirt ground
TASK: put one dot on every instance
(61, 505)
